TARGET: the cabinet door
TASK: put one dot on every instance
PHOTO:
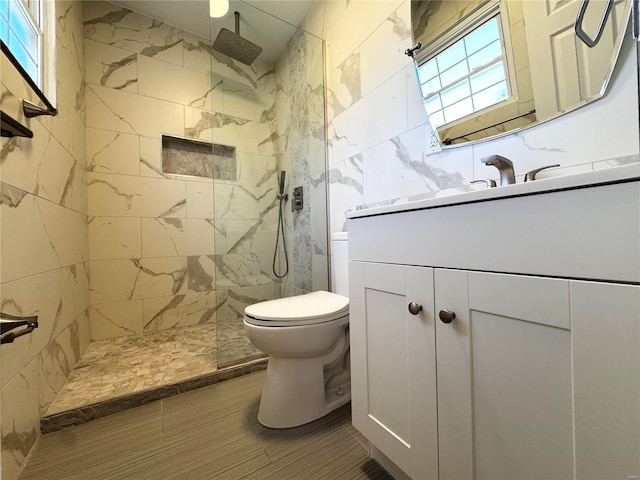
(606, 351)
(504, 377)
(393, 363)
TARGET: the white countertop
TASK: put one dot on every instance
(579, 180)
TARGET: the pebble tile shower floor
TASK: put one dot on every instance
(132, 370)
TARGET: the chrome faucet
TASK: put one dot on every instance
(504, 166)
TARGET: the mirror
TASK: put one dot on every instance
(487, 68)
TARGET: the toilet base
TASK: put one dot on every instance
(294, 393)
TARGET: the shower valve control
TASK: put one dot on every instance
(297, 202)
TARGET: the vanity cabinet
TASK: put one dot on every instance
(512, 375)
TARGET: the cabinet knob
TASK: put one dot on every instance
(446, 316)
(415, 308)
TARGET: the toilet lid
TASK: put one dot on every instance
(315, 307)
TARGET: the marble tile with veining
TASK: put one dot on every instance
(117, 26)
(127, 196)
(162, 237)
(111, 67)
(136, 278)
(191, 308)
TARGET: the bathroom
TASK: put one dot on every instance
(380, 148)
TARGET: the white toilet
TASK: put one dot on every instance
(307, 340)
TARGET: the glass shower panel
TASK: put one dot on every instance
(266, 117)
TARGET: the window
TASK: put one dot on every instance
(21, 23)
(467, 76)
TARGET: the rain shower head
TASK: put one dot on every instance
(235, 46)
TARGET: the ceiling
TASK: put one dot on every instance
(268, 23)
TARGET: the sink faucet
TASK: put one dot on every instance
(504, 166)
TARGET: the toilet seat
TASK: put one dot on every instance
(308, 309)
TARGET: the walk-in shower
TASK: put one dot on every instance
(185, 207)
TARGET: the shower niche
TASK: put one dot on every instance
(184, 156)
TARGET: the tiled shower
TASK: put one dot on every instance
(162, 228)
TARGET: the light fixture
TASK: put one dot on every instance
(218, 8)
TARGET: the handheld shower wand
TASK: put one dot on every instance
(282, 197)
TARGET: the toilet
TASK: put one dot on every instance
(307, 340)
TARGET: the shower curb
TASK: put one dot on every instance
(86, 413)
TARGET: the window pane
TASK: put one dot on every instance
(482, 36)
(4, 8)
(4, 30)
(436, 120)
(451, 56)
(455, 73)
(431, 86)
(428, 70)
(490, 96)
(21, 26)
(486, 55)
(23, 57)
(432, 105)
(458, 110)
(455, 93)
(487, 77)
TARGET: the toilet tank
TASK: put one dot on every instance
(339, 264)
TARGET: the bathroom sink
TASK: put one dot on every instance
(579, 180)
(551, 227)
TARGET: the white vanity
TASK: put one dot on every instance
(496, 334)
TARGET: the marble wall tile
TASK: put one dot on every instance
(136, 278)
(34, 295)
(416, 114)
(114, 25)
(200, 200)
(349, 30)
(388, 41)
(376, 117)
(119, 195)
(344, 85)
(25, 234)
(234, 202)
(246, 102)
(256, 170)
(74, 294)
(20, 419)
(220, 128)
(112, 152)
(114, 238)
(201, 272)
(41, 167)
(177, 84)
(242, 269)
(56, 363)
(111, 67)
(127, 112)
(191, 308)
(167, 237)
(116, 319)
(398, 168)
(346, 183)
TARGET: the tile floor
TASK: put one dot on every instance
(122, 366)
(210, 433)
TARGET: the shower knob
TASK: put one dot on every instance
(446, 316)
(415, 308)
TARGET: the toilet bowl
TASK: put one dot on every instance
(307, 340)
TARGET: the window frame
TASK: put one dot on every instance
(475, 19)
(43, 23)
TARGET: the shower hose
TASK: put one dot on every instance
(279, 233)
